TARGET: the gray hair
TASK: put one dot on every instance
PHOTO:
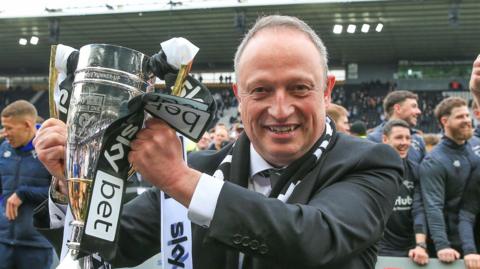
(275, 21)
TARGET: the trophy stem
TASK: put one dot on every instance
(76, 237)
(71, 260)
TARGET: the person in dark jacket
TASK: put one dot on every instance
(328, 207)
(25, 183)
(402, 105)
(406, 231)
(469, 225)
(444, 174)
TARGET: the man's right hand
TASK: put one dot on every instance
(472, 261)
(49, 144)
(448, 255)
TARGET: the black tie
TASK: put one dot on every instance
(273, 174)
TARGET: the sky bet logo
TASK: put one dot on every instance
(178, 255)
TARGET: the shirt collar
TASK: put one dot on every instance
(257, 163)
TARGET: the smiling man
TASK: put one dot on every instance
(405, 234)
(287, 194)
(403, 105)
(445, 172)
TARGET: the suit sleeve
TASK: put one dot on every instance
(340, 220)
(433, 176)
(139, 234)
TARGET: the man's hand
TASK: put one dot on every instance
(448, 255)
(475, 80)
(472, 261)
(156, 153)
(419, 255)
(13, 203)
(49, 144)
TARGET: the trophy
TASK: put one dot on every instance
(106, 78)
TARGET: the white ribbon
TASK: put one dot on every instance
(176, 231)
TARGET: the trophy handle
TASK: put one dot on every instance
(52, 78)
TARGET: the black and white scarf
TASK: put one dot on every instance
(235, 165)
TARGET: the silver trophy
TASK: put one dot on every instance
(106, 78)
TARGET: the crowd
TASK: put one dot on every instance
(276, 179)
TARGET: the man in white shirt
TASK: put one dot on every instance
(288, 193)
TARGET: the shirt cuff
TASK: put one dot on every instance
(57, 213)
(204, 200)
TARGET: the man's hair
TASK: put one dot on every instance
(396, 97)
(335, 111)
(20, 108)
(431, 139)
(358, 128)
(278, 21)
(445, 107)
(388, 127)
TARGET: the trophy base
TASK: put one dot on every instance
(71, 262)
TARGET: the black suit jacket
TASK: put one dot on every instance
(332, 220)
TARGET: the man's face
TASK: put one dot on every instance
(343, 125)
(459, 124)
(282, 93)
(399, 139)
(204, 142)
(17, 131)
(221, 135)
(408, 111)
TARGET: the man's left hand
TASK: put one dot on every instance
(13, 203)
(419, 255)
(156, 153)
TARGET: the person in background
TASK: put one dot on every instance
(339, 115)
(444, 174)
(25, 183)
(406, 231)
(402, 105)
(220, 138)
(431, 140)
(470, 208)
(359, 128)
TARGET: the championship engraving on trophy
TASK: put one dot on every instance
(89, 108)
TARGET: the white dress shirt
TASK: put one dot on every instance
(205, 197)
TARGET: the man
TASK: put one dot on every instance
(402, 105)
(220, 137)
(339, 115)
(25, 184)
(327, 209)
(405, 234)
(445, 172)
(470, 207)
